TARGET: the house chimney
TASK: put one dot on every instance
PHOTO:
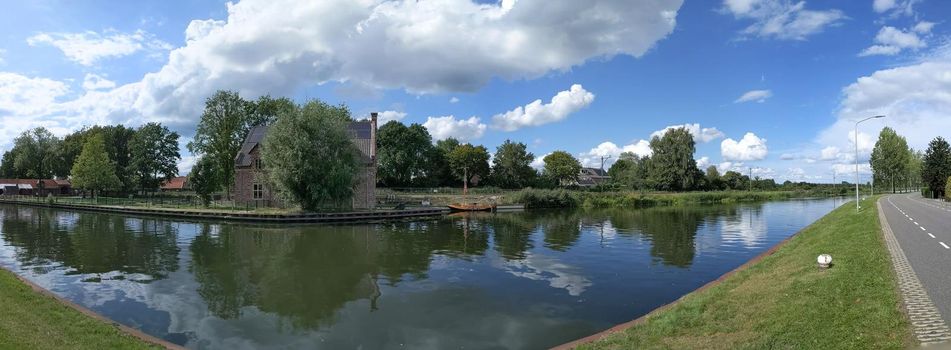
(373, 117)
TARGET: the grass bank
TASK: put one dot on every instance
(560, 198)
(784, 301)
(31, 320)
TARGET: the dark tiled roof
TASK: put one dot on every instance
(594, 171)
(358, 130)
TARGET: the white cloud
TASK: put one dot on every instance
(539, 162)
(914, 98)
(97, 82)
(700, 135)
(25, 96)
(387, 116)
(88, 47)
(464, 130)
(703, 163)
(454, 99)
(830, 153)
(781, 19)
(759, 96)
(788, 156)
(592, 158)
(750, 147)
(723, 167)
(891, 41)
(895, 7)
(275, 47)
(561, 106)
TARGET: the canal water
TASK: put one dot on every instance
(514, 280)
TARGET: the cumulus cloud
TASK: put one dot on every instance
(417, 46)
(539, 162)
(781, 19)
(454, 99)
(387, 116)
(703, 163)
(464, 130)
(534, 114)
(830, 153)
(891, 41)
(87, 48)
(759, 96)
(749, 148)
(592, 158)
(97, 82)
(700, 135)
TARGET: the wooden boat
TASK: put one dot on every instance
(470, 207)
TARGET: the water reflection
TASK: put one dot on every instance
(522, 280)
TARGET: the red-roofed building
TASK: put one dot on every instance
(31, 187)
(179, 183)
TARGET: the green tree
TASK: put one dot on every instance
(6, 164)
(512, 165)
(265, 109)
(309, 155)
(467, 161)
(224, 124)
(714, 182)
(936, 166)
(94, 170)
(672, 166)
(403, 154)
(34, 154)
(735, 181)
(562, 167)
(913, 178)
(889, 159)
(116, 138)
(154, 157)
(630, 171)
(202, 179)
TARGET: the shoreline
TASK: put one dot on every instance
(302, 218)
(86, 312)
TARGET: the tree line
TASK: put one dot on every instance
(97, 158)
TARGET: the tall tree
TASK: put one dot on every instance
(562, 167)
(116, 139)
(224, 124)
(309, 156)
(403, 154)
(34, 154)
(714, 182)
(512, 165)
(154, 156)
(630, 170)
(93, 169)
(6, 164)
(936, 166)
(467, 161)
(202, 179)
(672, 166)
(889, 159)
(265, 109)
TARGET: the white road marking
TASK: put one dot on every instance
(944, 245)
(922, 228)
(916, 223)
(929, 233)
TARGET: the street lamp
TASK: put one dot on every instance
(856, 142)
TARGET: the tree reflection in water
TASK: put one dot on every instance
(89, 243)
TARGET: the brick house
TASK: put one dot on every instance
(251, 186)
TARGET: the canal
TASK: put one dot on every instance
(515, 280)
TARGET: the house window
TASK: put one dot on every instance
(258, 164)
(257, 191)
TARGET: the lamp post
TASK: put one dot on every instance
(856, 142)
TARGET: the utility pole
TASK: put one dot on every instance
(856, 142)
(604, 158)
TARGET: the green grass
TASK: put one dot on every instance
(30, 320)
(785, 302)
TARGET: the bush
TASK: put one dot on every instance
(947, 188)
(543, 198)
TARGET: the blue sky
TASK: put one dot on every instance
(607, 74)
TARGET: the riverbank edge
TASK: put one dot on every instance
(754, 261)
(623, 326)
(347, 217)
(135, 333)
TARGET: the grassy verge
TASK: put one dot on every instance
(31, 320)
(784, 301)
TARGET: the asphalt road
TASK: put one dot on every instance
(923, 229)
